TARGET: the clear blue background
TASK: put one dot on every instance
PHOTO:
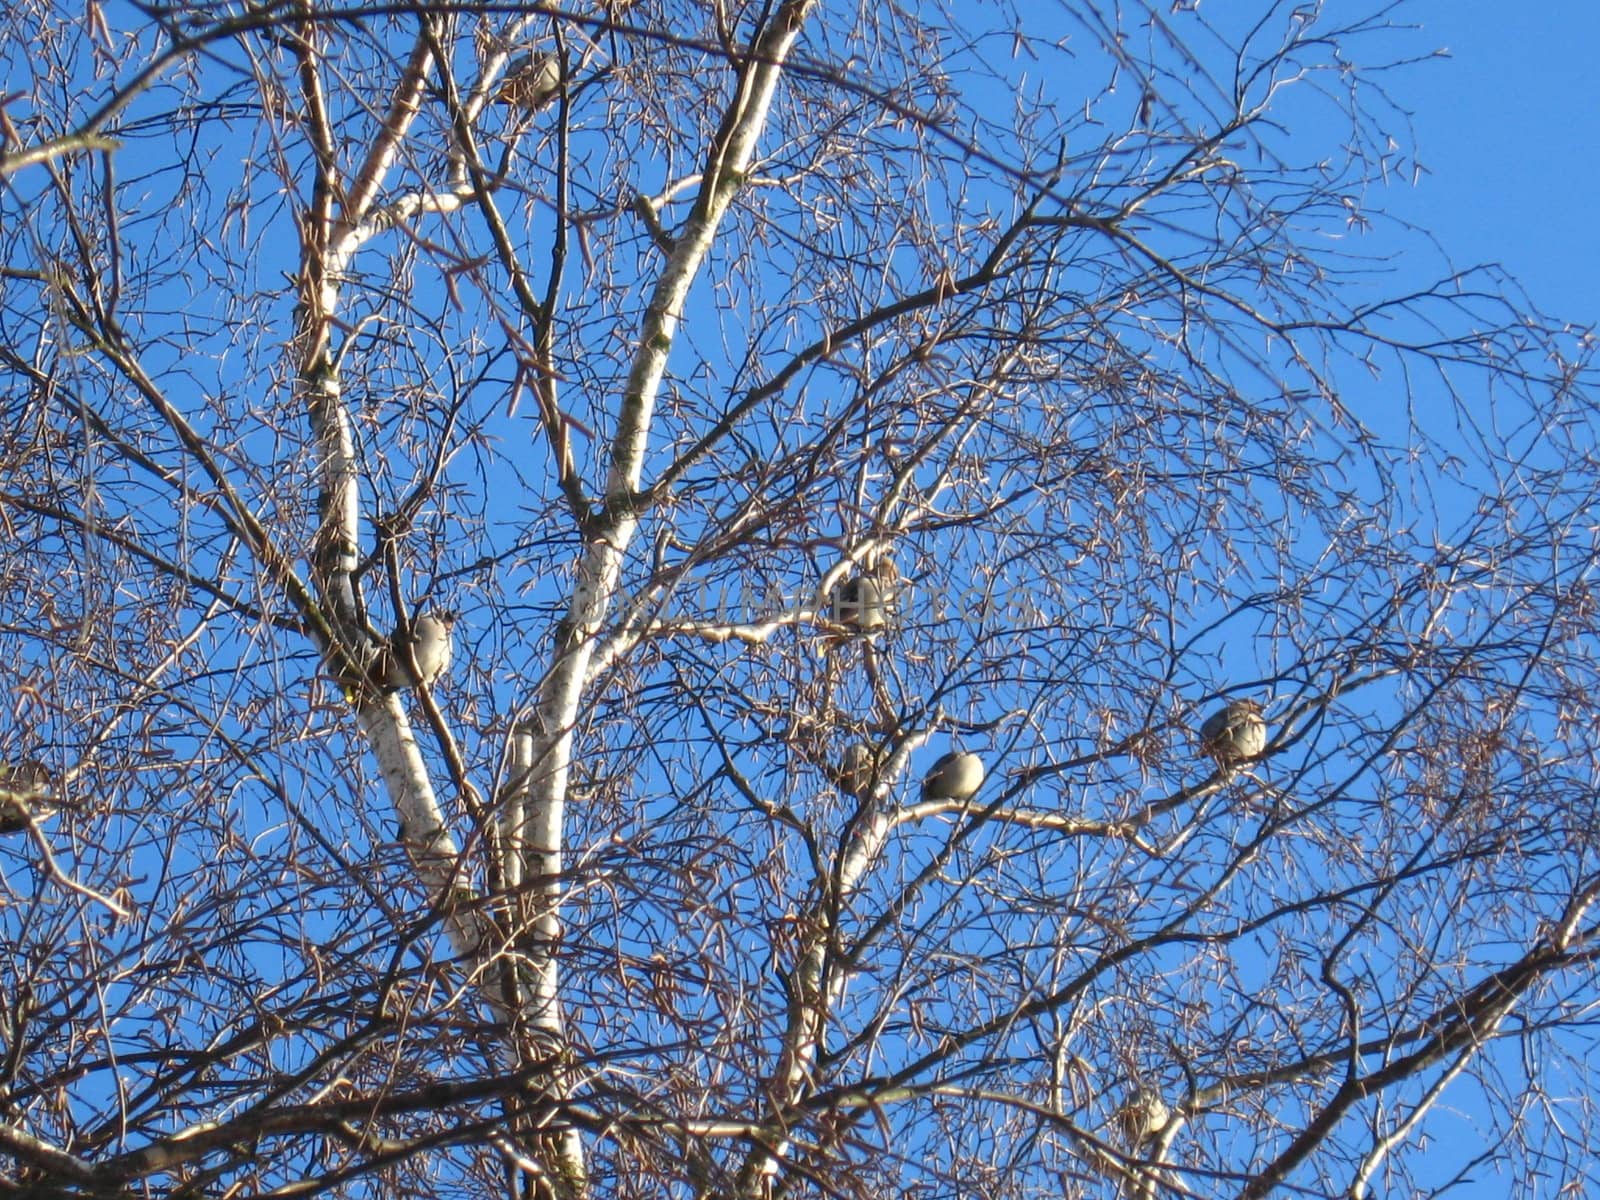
(1506, 129)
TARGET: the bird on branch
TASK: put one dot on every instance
(1234, 733)
(954, 776)
(418, 655)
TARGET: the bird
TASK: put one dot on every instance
(23, 787)
(861, 602)
(955, 776)
(1143, 1117)
(531, 81)
(1235, 732)
(858, 770)
(418, 655)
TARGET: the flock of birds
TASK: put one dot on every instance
(420, 652)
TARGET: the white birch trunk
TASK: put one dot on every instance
(541, 759)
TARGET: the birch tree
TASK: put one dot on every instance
(776, 395)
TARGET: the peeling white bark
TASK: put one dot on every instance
(532, 816)
(816, 990)
(541, 760)
(544, 764)
(433, 851)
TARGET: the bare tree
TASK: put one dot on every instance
(776, 395)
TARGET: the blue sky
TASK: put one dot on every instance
(1505, 132)
(1505, 128)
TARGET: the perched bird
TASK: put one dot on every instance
(865, 602)
(531, 81)
(858, 770)
(420, 654)
(24, 786)
(1143, 1117)
(1235, 732)
(955, 776)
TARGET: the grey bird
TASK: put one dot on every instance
(418, 655)
(954, 776)
(24, 787)
(858, 769)
(1235, 732)
(531, 81)
(864, 602)
(1143, 1117)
